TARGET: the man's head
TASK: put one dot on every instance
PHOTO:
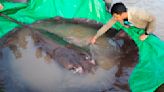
(119, 11)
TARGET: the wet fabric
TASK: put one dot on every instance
(9, 8)
(148, 75)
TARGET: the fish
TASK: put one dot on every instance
(75, 60)
(103, 53)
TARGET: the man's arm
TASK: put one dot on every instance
(150, 18)
(151, 22)
(103, 29)
(151, 25)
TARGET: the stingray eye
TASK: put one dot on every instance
(87, 57)
(72, 68)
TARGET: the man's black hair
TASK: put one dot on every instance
(118, 8)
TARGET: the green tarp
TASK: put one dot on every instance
(148, 75)
(149, 72)
(41, 9)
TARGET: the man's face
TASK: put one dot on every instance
(118, 17)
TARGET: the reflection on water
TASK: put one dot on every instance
(38, 52)
(16, 51)
(33, 73)
(25, 67)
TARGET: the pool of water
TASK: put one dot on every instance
(24, 67)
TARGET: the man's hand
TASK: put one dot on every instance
(143, 37)
(93, 40)
(1, 6)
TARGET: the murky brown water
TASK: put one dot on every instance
(26, 67)
(80, 35)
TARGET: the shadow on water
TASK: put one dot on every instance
(28, 67)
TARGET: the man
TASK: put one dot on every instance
(138, 17)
